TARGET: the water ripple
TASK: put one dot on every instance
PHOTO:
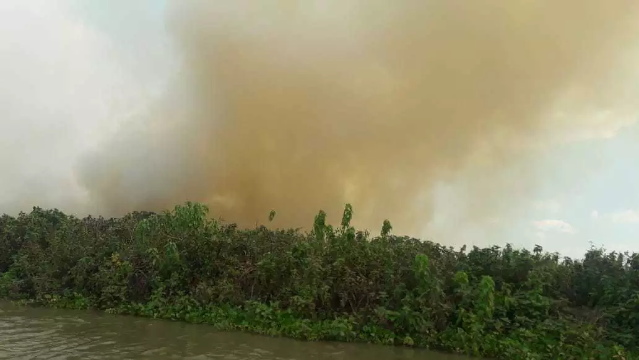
(35, 333)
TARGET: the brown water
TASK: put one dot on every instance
(36, 333)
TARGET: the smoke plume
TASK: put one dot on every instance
(301, 106)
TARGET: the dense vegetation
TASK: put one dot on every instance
(332, 284)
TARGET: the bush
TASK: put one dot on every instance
(330, 284)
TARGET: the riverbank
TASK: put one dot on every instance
(28, 332)
(329, 284)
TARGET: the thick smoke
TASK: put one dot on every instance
(301, 106)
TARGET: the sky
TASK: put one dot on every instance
(576, 207)
(91, 64)
(72, 72)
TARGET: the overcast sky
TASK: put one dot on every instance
(71, 71)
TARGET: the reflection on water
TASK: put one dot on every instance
(36, 333)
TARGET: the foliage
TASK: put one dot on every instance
(329, 284)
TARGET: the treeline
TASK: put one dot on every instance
(327, 284)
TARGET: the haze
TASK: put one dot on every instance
(457, 120)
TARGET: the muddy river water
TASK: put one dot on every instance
(37, 333)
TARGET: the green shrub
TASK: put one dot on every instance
(330, 284)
